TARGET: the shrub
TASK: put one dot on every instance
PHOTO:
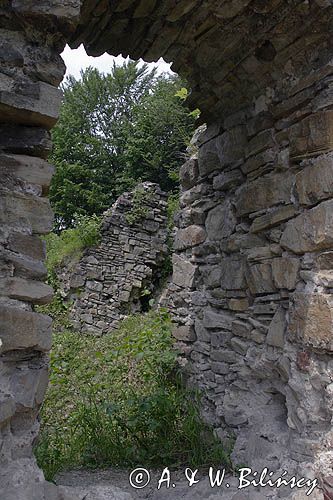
(172, 209)
(70, 243)
(117, 400)
(139, 209)
(67, 247)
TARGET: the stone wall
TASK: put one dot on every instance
(253, 279)
(252, 289)
(123, 272)
(30, 72)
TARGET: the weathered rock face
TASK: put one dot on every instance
(311, 230)
(122, 273)
(30, 71)
(255, 322)
(252, 284)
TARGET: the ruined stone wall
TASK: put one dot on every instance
(253, 279)
(30, 72)
(252, 290)
(123, 272)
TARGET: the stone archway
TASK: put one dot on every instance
(252, 270)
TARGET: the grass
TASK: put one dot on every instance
(117, 400)
(63, 249)
(70, 243)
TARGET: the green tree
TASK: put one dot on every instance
(161, 129)
(115, 130)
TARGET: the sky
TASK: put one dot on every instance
(77, 59)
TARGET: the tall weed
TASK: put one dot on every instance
(117, 400)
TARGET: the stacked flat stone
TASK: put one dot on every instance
(227, 49)
(112, 279)
(30, 72)
(252, 281)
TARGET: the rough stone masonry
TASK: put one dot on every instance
(252, 288)
(124, 271)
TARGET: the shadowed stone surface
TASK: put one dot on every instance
(253, 316)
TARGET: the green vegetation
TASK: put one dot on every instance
(70, 243)
(114, 131)
(117, 400)
(139, 208)
(172, 209)
(66, 248)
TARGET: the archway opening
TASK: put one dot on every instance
(122, 398)
(250, 275)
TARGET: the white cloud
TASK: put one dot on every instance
(77, 59)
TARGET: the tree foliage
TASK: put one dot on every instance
(114, 131)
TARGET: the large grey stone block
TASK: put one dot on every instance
(311, 320)
(311, 231)
(41, 109)
(26, 290)
(264, 193)
(20, 329)
(315, 182)
(220, 222)
(184, 272)
(189, 237)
